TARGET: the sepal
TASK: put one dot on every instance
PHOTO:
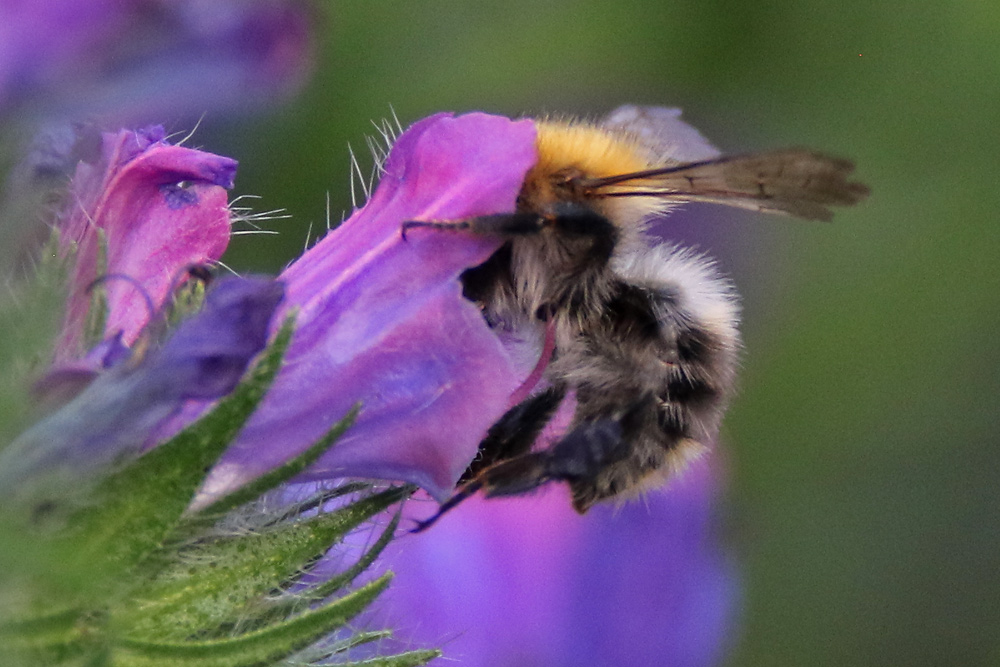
(133, 510)
(127, 575)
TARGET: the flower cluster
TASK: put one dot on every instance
(119, 527)
(380, 323)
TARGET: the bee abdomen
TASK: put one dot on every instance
(669, 342)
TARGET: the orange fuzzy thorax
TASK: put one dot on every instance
(579, 149)
(593, 150)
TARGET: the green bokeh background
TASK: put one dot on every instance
(862, 454)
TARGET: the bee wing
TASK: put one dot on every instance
(662, 132)
(794, 181)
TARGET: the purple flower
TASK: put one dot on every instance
(522, 581)
(381, 321)
(123, 407)
(135, 60)
(149, 210)
(500, 582)
(527, 581)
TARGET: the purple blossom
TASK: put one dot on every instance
(207, 355)
(522, 581)
(528, 582)
(139, 212)
(123, 407)
(150, 210)
(382, 321)
(130, 61)
(501, 582)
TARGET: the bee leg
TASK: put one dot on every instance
(579, 456)
(569, 219)
(508, 440)
(512, 477)
(516, 431)
(503, 224)
(586, 455)
(463, 492)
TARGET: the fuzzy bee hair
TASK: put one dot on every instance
(645, 336)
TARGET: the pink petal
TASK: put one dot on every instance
(382, 321)
(157, 209)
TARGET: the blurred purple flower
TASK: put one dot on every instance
(132, 61)
(121, 409)
(382, 321)
(526, 581)
(150, 210)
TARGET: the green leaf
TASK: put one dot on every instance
(59, 626)
(31, 310)
(157, 587)
(187, 300)
(31, 644)
(135, 508)
(97, 313)
(188, 598)
(276, 476)
(408, 659)
(357, 639)
(337, 582)
(284, 607)
(261, 647)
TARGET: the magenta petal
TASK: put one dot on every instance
(381, 321)
(529, 582)
(157, 209)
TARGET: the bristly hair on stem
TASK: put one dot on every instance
(142, 580)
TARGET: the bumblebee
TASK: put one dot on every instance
(644, 336)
